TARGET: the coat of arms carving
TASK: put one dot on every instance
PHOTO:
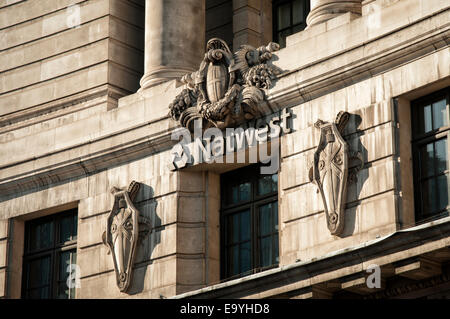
(330, 170)
(122, 233)
(227, 88)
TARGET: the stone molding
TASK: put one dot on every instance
(416, 241)
(293, 92)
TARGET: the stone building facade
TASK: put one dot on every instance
(94, 204)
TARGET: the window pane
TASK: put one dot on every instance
(64, 261)
(244, 191)
(268, 184)
(234, 195)
(282, 37)
(441, 155)
(427, 124)
(66, 229)
(239, 193)
(275, 251)
(442, 182)
(66, 258)
(234, 231)
(440, 117)
(298, 13)
(429, 196)
(266, 251)
(39, 293)
(245, 226)
(298, 28)
(245, 261)
(265, 219)
(427, 160)
(284, 16)
(63, 290)
(75, 226)
(39, 272)
(235, 260)
(41, 236)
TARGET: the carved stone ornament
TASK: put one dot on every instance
(330, 170)
(227, 88)
(122, 233)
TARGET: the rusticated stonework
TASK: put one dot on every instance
(227, 88)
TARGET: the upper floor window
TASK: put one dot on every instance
(249, 222)
(50, 248)
(430, 132)
(289, 17)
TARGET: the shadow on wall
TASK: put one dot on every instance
(150, 238)
(358, 172)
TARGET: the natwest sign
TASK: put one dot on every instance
(213, 146)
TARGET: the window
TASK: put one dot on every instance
(289, 17)
(430, 149)
(50, 247)
(249, 219)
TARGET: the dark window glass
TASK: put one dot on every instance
(430, 149)
(49, 251)
(289, 17)
(249, 221)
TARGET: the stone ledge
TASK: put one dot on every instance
(396, 246)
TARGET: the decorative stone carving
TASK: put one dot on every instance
(330, 170)
(227, 88)
(122, 233)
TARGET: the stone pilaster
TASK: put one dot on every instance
(174, 39)
(252, 23)
(323, 10)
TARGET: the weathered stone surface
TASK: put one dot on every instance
(3, 228)
(2, 283)
(3, 252)
(66, 139)
(308, 237)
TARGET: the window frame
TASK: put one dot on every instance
(275, 5)
(54, 251)
(419, 140)
(237, 177)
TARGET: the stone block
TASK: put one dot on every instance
(28, 10)
(126, 33)
(49, 91)
(52, 23)
(54, 45)
(90, 230)
(309, 236)
(190, 271)
(163, 273)
(191, 208)
(2, 283)
(3, 228)
(190, 239)
(190, 181)
(3, 252)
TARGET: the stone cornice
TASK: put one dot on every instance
(333, 266)
(96, 158)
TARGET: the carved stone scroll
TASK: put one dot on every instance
(227, 87)
(122, 233)
(330, 170)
